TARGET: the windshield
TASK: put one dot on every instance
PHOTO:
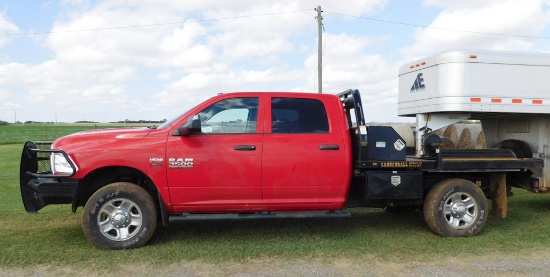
(169, 122)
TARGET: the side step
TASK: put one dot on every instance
(261, 215)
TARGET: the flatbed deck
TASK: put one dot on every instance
(474, 160)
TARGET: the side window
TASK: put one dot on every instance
(298, 115)
(230, 116)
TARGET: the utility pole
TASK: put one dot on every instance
(320, 48)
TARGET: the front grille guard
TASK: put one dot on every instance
(39, 186)
(35, 161)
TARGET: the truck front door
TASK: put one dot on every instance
(219, 168)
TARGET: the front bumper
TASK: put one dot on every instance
(39, 187)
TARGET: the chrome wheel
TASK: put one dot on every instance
(120, 215)
(119, 219)
(455, 207)
(460, 210)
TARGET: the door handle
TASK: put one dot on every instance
(329, 147)
(244, 147)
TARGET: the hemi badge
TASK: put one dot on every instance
(156, 161)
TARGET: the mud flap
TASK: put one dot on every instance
(498, 195)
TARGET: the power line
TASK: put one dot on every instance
(148, 25)
(438, 28)
(271, 14)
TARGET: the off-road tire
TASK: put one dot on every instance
(119, 216)
(455, 208)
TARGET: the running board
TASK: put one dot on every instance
(261, 215)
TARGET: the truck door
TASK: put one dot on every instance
(221, 166)
(304, 159)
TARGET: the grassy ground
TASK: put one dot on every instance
(20, 133)
(54, 236)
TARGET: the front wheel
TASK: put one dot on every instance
(119, 216)
(455, 208)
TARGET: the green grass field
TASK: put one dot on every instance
(54, 235)
(20, 133)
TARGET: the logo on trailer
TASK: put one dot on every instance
(418, 83)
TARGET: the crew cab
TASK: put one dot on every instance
(259, 155)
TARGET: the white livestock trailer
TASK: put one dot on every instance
(509, 92)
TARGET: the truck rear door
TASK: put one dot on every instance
(305, 157)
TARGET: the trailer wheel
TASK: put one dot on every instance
(455, 208)
(520, 148)
(119, 216)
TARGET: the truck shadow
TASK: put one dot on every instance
(363, 222)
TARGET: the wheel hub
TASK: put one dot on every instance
(458, 209)
(120, 219)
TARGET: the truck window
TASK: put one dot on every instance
(298, 115)
(230, 116)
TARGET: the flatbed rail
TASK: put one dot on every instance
(474, 160)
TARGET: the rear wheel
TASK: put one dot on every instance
(119, 215)
(455, 208)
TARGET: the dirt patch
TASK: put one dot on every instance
(488, 265)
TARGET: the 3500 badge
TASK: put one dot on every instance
(180, 163)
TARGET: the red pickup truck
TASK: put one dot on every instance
(258, 155)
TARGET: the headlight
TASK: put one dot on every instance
(60, 165)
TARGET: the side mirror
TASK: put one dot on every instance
(192, 126)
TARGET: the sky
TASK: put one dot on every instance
(105, 61)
